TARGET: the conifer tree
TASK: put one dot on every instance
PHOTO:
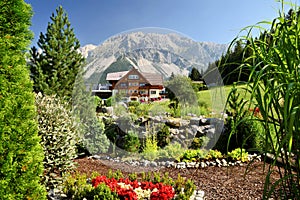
(195, 75)
(55, 67)
(21, 155)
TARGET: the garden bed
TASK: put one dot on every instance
(217, 182)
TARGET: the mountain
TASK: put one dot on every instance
(149, 52)
(86, 49)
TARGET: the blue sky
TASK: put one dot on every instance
(94, 21)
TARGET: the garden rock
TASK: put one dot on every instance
(174, 123)
(174, 131)
(180, 165)
(195, 121)
(153, 164)
(108, 110)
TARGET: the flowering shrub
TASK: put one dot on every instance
(133, 190)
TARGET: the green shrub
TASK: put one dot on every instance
(132, 176)
(132, 142)
(97, 101)
(116, 175)
(199, 142)
(213, 154)
(241, 128)
(109, 101)
(190, 156)
(193, 155)
(150, 148)
(131, 109)
(95, 140)
(188, 187)
(159, 108)
(172, 150)
(238, 154)
(21, 155)
(134, 103)
(77, 188)
(111, 133)
(163, 136)
(59, 133)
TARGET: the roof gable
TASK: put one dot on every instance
(115, 76)
(153, 79)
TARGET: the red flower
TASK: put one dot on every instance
(164, 192)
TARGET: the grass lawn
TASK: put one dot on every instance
(216, 98)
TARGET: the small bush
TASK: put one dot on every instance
(58, 130)
(199, 142)
(150, 149)
(134, 103)
(238, 154)
(163, 136)
(172, 150)
(188, 187)
(132, 142)
(94, 140)
(77, 188)
(109, 101)
(241, 129)
(192, 155)
(214, 154)
(159, 108)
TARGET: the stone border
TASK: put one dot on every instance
(178, 165)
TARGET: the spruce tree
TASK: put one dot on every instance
(55, 67)
(195, 75)
(21, 155)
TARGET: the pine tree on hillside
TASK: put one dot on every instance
(195, 75)
(21, 155)
(55, 68)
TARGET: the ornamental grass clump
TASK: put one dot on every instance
(274, 84)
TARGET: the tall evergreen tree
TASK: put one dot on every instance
(21, 155)
(55, 68)
(229, 64)
(195, 75)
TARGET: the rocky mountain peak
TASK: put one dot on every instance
(163, 53)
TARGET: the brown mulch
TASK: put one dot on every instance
(217, 182)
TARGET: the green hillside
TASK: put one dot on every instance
(208, 95)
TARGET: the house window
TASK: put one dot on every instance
(142, 84)
(133, 76)
(153, 92)
(133, 84)
(123, 84)
(143, 92)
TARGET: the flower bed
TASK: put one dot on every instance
(151, 186)
(133, 190)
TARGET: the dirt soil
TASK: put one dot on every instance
(217, 182)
